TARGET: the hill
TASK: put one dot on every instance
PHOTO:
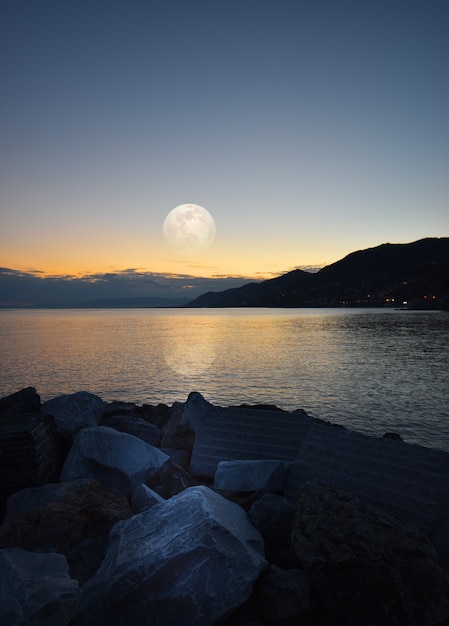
(414, 275)
(132, 303)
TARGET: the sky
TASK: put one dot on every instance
(307, 128)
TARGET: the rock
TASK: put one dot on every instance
(273, 517)
(188, 561)
(395, 436)
(258, 407)
(282, 593)
(180, 457)
(143, 498)
(170, 480)
(365, 566)
(73, 519)
(117, 460)
(75, 411)
(36, 589)
(195, 409)
(26, 401)
(258, 475)
(157, 415)
(134, 425)
(117, 407)
(175, 434)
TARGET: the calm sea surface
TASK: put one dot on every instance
(370, 370)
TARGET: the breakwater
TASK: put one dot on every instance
(198, 514)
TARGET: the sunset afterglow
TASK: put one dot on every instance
(307, 130)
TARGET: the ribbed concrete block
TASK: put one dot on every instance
(227, 434)
(408, 481)
(28, 455)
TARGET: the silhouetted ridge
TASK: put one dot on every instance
(414, 274)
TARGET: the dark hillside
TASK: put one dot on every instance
(414, 274)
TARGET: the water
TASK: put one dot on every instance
(370, 370)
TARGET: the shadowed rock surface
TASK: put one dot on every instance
(365, 567)
(36, 589)
(134, 425)
(72, 519)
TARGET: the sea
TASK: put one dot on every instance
(370, 370)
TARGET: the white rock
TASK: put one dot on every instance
(188, 561)
(117, 460)
(36, 589)
(265, 475)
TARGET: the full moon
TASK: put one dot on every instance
(189, 229)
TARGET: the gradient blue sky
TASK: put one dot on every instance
(307, 128)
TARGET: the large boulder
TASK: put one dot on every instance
(36, 589)
(366, 567)
(195, 410)
(176, 434)
(273, 515)
(282, 594)
(25, 401)
(117, 460)
(249, 475)
(73, 519)
(134, 425)
(188, 561)
(74, 411)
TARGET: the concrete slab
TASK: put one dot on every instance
(226, 434)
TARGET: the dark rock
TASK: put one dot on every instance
(188, 561)
(366, 567)
(157, 415)
(36, 589)
(273, 517)
(195, 409)
(117, 407)
(75, 411)
(258, 407)
(73, 519)
(143, 498)
(118, 460)
(180, 457)
(394, 436)
(170, 480)
(134, 425)
(175, 434)
(282, 593)
(26, 401)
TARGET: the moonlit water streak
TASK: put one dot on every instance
(370, 370)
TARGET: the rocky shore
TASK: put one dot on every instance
(117, 514)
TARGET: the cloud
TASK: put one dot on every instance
(32, 288)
